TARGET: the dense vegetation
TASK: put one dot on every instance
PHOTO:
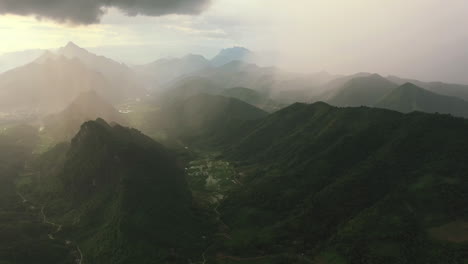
(23, 235)
(227, 181)
(120, 195)
(352, 185)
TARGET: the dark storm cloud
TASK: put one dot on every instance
(91, 11)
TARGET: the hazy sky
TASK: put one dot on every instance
(425, 39)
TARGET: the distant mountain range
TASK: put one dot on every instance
(279, 85)
(456, 90)
(163, 72)
(51, 82)
(231, 67)
(374, 90)
(48, 85)
(191, 86)
(125, 83)
(409, 97)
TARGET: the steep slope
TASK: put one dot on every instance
(87, 106)
(409, 97)
(124, 81)
(361, 91)
(48, 85)
(120, 195)
(348, 185)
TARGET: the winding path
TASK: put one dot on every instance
(79, 258)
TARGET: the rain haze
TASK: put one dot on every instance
(421, 39)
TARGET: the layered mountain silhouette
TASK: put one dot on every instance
(191, 86)
(449, 89)
(164, 72)
(409, 97)
(375, 91)
(239, 73)
(235, 71)
(52, 81)
(48, 85)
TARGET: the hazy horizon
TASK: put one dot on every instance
(120, 53)
(340, 37)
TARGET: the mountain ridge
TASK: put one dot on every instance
(409, 97)
(120, 193)
(387, 191)
(359, 91)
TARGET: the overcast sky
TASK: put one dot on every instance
(424, 39)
